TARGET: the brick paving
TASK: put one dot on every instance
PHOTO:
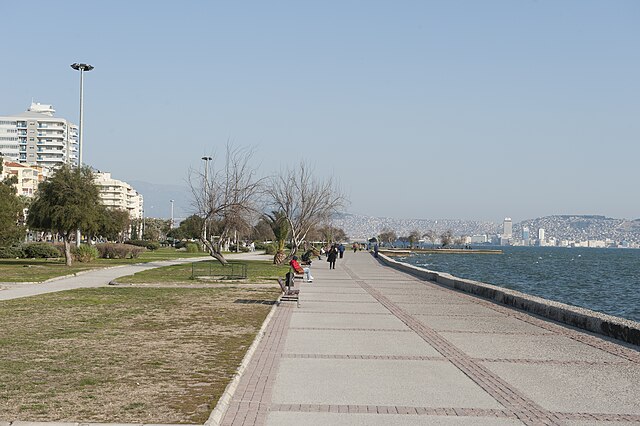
(285, 378)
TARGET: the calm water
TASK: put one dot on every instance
(604, 280)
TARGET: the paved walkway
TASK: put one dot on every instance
(374, 346)
(101, 277)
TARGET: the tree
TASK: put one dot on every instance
(226, 197)
(156, 229)
(190, 228)
(446, 238)
(432, 236)
(388, 236)
(68, 201)
(280, 228)
(11, 208)
(413, 237)
(262, 231)
(331, 234)
(304, 200)
(112, 224)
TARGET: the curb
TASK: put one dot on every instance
(223, 403)
(608, 325)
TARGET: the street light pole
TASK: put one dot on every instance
(82, 68)
(171, 223)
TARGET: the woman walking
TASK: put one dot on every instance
(332, 255)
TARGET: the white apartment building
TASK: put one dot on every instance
(37, 138)
(116, 194)
(29, 177)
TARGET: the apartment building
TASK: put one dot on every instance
(37, 138)
(28, 177)
(117, 194)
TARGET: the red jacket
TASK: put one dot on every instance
(296, 266)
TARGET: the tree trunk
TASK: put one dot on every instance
(214, 251)
(67, 250)
(279, 258)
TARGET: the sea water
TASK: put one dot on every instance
(604, 280)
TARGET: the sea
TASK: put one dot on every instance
(603, 280)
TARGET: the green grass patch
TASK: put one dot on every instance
(38, 270)
(125, 355)
(258, 271)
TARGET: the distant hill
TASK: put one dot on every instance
(562, 227)
(582, 228)
(358, 226)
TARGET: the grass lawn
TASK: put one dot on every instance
(127, 355)
(257, 272)
(37, 270)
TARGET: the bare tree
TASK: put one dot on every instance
(432, 236)
(446, 238)
(413, 237)
(304, 200)
(225, 197)
(388, 236)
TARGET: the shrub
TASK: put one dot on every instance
(243, 249)
(192, 248)
(270, 249)
(85, 253)
(41, 250)
(11, 252)
(150, 245)
(119, 251)
(180, 244)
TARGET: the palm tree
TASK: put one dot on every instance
(277, 220)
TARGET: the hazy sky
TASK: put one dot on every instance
(470, 109)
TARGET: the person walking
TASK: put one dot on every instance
(341, 250)
(332, 255)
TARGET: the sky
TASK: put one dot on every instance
(419, 109)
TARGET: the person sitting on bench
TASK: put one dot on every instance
(298, 269)
(296, 266)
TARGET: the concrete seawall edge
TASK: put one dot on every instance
(596, 322)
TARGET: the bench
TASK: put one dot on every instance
(289, 294)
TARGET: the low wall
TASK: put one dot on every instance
(608, 325)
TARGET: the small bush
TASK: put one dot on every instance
(119, 251)
(85, 253)
(11, 252)
(243, 249)
(40, 250)
(192, 248)
(152, 245)
(148, 244)
(180, 244)
(269, 249)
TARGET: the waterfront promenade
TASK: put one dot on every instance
(371, 345)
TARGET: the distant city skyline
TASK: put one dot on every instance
(421, 109)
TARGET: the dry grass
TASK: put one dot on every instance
(127, 355)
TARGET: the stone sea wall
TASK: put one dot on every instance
(596, 322)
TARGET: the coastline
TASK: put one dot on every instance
(586, 319)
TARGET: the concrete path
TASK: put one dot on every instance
(101, 277)
(374, 346)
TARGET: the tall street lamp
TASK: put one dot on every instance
(171, 223)
(82, 68)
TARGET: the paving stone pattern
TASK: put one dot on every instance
(471, 361)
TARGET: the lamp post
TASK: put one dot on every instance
(82, 68)
(171, 223)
